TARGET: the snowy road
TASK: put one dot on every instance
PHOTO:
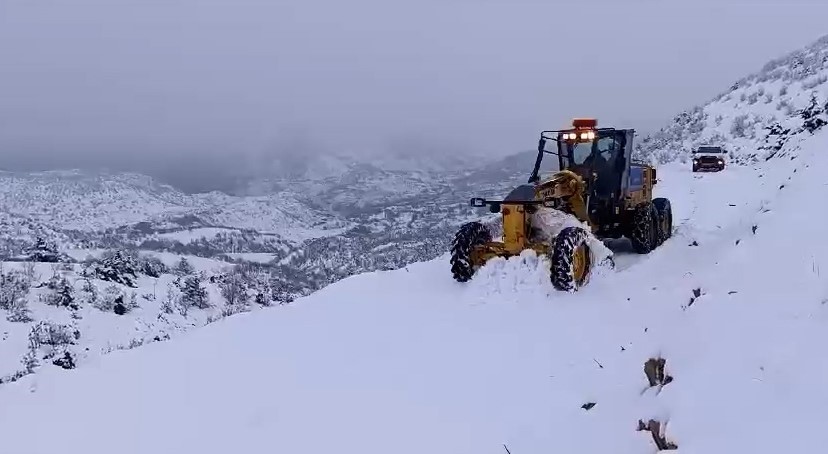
(410, 361)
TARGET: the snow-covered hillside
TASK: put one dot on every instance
(411, 361)
(74, 200)
(67, 314)
(755, 117)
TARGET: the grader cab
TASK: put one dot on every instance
(595, 192)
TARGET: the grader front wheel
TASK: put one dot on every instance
(470, 235)
(571, 259)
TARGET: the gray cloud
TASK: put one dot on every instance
(135, 82)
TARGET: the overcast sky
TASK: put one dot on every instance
(137, 80)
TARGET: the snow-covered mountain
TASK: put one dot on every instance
(712, 343)
(360, 209)
(88, 202)
(765, 108)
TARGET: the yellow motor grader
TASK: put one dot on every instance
(596, 188)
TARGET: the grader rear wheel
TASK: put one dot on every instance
(571, 259)
(665, 219)
(644, 232)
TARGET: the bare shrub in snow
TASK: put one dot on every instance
(51, 341)
(170, 301)
(262, 300)
(88, 293)
(29, 361)
(19, 312)
(815, 82)
(29, 270)
(234, 291)
(114, 299)
(14, 286)
(48, 333)
(280, 292)
(776, 137)
(768, 98)
(62, 294)
(753, 98)
(783, 91)
(739, 126)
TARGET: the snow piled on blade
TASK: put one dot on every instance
(550, 222)
(510, 280)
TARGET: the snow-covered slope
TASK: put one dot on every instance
(751, 118)
(409, 361)
(53, 311)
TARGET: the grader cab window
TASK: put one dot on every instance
(603, 160)
(579, 153)
(596, 161)
(592, 154)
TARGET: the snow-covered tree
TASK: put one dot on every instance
(116, 266)
(193, 294)
(184, 267)
(152, 266)
(814, 116)
(43, 250)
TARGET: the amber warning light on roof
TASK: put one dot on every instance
(584, 123)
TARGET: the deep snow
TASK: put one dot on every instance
(409, 361)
